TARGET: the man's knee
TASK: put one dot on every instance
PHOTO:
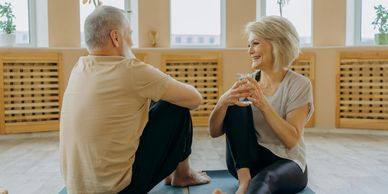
(169, 108)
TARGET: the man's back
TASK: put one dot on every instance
(105, 109)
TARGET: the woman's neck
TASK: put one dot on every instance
(270, 77)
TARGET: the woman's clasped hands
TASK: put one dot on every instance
(246, 88)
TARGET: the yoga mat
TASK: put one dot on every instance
(63, 191)
(220, 179)
(161, 188)
(226, 182)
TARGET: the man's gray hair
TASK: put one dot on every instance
(100, 23)
(281, 34)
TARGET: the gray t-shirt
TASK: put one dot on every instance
(293, 92)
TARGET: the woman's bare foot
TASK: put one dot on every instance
(244, 178)
(242, 189)
(217, 191)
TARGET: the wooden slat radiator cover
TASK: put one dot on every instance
(203, 71)
(305, 65)
(30, 92)
(362, 90)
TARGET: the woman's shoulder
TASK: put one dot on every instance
(296, 77)
(297, 82)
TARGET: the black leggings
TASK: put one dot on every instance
(270, 173)
(166, 141)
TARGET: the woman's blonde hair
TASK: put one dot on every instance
(282, 35)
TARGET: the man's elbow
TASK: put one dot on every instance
(196, 102)
(213, 134)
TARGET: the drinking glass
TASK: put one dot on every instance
(242, 76)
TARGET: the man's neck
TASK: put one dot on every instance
(104, 52)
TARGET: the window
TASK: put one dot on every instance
(365, 14)
(23, 11)
(291, 11)
(131, 5)
(197, 23)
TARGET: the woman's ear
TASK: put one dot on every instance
(114, 36)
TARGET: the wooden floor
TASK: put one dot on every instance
(338, 163)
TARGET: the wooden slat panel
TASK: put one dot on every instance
(28, 92)
(26, 105)
(364, 123)
(373, 109)
(362, 90)
(365, 102)
(203, 71)
(305, 65)
(32, 127)
(34, 86)
(32, 117)
(31, 94)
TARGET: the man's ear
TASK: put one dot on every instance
(114, 36)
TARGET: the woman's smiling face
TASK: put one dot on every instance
(260, 51)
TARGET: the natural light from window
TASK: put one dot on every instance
(367, 16)
(299, 13)
(196, 23)
(20, 10)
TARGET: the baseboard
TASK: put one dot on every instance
(50, 134)
(201, 130)
(347, 131)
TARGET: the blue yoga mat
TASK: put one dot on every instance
(226, 182)
(220, 179)
(161, 188)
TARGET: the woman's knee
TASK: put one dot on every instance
(236, 111)
(263, 182)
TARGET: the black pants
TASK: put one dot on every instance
(270, 173)
(166, 141)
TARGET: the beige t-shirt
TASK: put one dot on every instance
(294, 92)
(104, 111)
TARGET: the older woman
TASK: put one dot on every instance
(265, 146)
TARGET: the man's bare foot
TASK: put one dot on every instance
(168, 179)
(192, 178)
(184, 176)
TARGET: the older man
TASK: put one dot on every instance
(111, 139)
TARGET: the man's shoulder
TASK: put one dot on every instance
(108, 59)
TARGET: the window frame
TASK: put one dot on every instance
(129, 5)
(222, 32)
(32, 23)
(261, 11)
(357, 22)
(32, 35)
(356, 11)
